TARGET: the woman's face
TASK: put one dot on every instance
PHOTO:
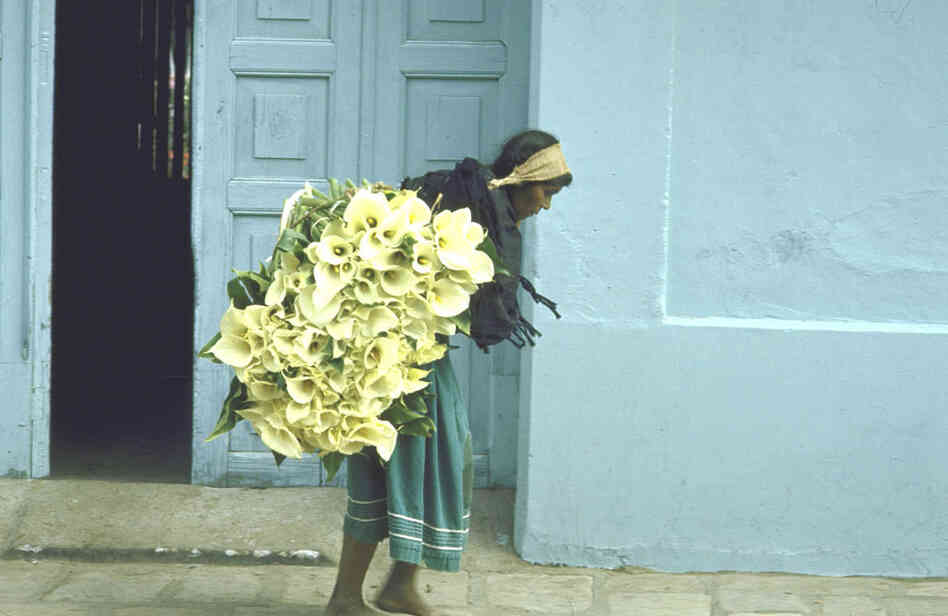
(529, 200)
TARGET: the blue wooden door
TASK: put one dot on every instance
(294, 90)
(25, 235)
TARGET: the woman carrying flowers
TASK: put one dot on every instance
(421, 499)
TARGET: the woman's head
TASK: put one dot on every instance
(529, 197)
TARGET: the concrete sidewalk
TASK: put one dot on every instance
(81, 548)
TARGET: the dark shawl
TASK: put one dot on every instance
(495, 313)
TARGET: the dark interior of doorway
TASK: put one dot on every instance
(122, 265)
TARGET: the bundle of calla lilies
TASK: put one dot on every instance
(329, 339)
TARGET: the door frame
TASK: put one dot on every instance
(41, 25)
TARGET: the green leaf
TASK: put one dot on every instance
(463, 322)
(261, 282)
(228, 417)
(290, 240)
(334, 191)
(331, 462)
(238, 290)
(420, 427)
(398, 414)
(205, 351)
(416, 402)
(488, 246)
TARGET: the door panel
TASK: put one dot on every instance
(298, 90)
(15, 436)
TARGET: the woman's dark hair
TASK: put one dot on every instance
(521, 147)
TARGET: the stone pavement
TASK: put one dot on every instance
(83, 548)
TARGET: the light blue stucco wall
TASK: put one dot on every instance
(752, 268)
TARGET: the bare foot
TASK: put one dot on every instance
(404, 600)
(338, 607)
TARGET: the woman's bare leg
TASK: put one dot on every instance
(401, 592)
(346, 599)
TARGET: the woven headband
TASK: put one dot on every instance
(546, 164)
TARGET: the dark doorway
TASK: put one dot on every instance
(122, 262)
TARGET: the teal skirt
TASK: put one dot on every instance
(420, 499)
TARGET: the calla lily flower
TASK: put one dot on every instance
(391, 258)
(381, 354)
(271, 360)
(447, 220)
(417, 307)
(393, 228)
(289, 264)
(334, 249)
(341, 328)
(463, 279)
(282, 340)
(443, 326)
(474, 233)
(233, 351)
(454, 251)
(418, 212)
(276, 292)
(297, 412)
(397, 282)
(412, 379)
(447, 299)
(311, 346)
(319, 304)
(377, 433)
(274, 435)
(371, 245)
(482, 268)
(297, 281)
(415, 328)
(366, 210)
(365, 292)
(425, 258)
(264, 390)
(334, 276)
(380, 319)
(301, 388)
(326, 419)
(379, 384)
(234, 322)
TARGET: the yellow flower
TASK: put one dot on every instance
(233, 348)
(311, 346)
(377, 433)
(418, 212)
(393, 228)
(268, 421)
(334, 249)
(482, 267)
(425, 258)
(263, 389)
(397, 282)
(374, 321)
(382, 384)
(381, 354)
(334, 276)
(297, 412)
(302, 388)
(276, 292)
(447, 299)
(412, 379)
(319, 304)
(366, 210)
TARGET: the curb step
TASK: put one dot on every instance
(302, 558)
